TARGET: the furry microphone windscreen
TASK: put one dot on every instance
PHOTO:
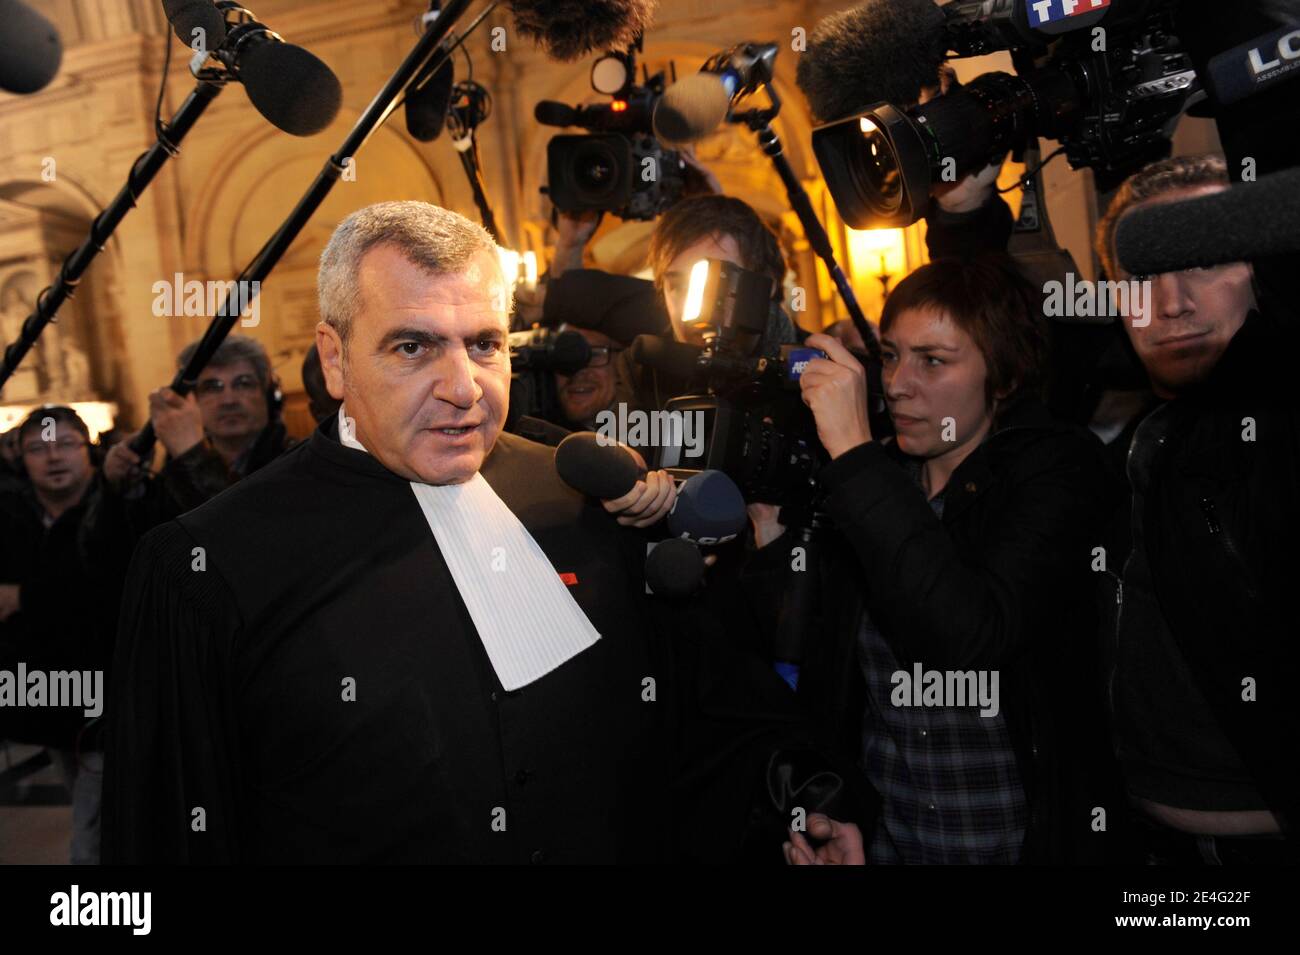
(878, 51)
(570, 29)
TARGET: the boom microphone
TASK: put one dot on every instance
(293, 89)
(196, 19)
(570, 29)
(878, 51)
(1245, 222)
(691, 109)
(605, 471)
(30, 49)
(694, 107)
(429, 95)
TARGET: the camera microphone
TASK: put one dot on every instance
(567, 30)
(1242, 223)
(878, 51)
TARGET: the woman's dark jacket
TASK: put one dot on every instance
(1003, 581)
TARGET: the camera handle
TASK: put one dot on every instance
(798, 609)
(760, 121)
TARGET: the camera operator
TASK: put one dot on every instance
(961, 545)
(1201, 606)
(225, 430)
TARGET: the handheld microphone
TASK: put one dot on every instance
(1245, 222)
(674, 568)
(709, 509)
(196, 20)
(1255, 66)
(30, 49)
(605, 471)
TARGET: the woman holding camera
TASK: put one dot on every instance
(956, 650)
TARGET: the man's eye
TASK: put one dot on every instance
(488, 346)
(932, 361)
(410, 349)
(888, 357)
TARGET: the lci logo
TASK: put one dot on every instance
(1049, 11)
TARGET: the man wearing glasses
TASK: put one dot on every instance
(224, 431)
(63, 555)
(592, 389)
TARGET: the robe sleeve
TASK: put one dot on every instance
(171, 770)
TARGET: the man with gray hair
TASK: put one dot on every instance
(406, 640)
(224, 430)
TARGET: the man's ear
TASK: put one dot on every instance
(330, 348)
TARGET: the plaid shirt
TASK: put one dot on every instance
(947, 776)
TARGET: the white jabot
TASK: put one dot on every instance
(527, 619)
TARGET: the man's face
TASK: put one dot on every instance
(590, 389)
(934, 376)
(232, 401)
(1191, 317)
(677, 279)
(426, 379)
(60, 468)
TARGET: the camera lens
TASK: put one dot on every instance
(875, 167)
(595, 170)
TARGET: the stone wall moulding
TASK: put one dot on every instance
(247, 194)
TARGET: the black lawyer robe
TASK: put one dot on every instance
(230, 739)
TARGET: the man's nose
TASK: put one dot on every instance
(454, 380)
(1170, 294)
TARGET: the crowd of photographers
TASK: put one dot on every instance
(1122, 599)
(1110, 543)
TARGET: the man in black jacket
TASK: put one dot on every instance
(406, 640)
(64, 548)
(1203, 664)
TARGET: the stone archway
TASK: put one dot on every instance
(40, 223)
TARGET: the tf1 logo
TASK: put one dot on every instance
(1050, 11)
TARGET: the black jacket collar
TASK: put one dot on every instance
(1017, 419)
